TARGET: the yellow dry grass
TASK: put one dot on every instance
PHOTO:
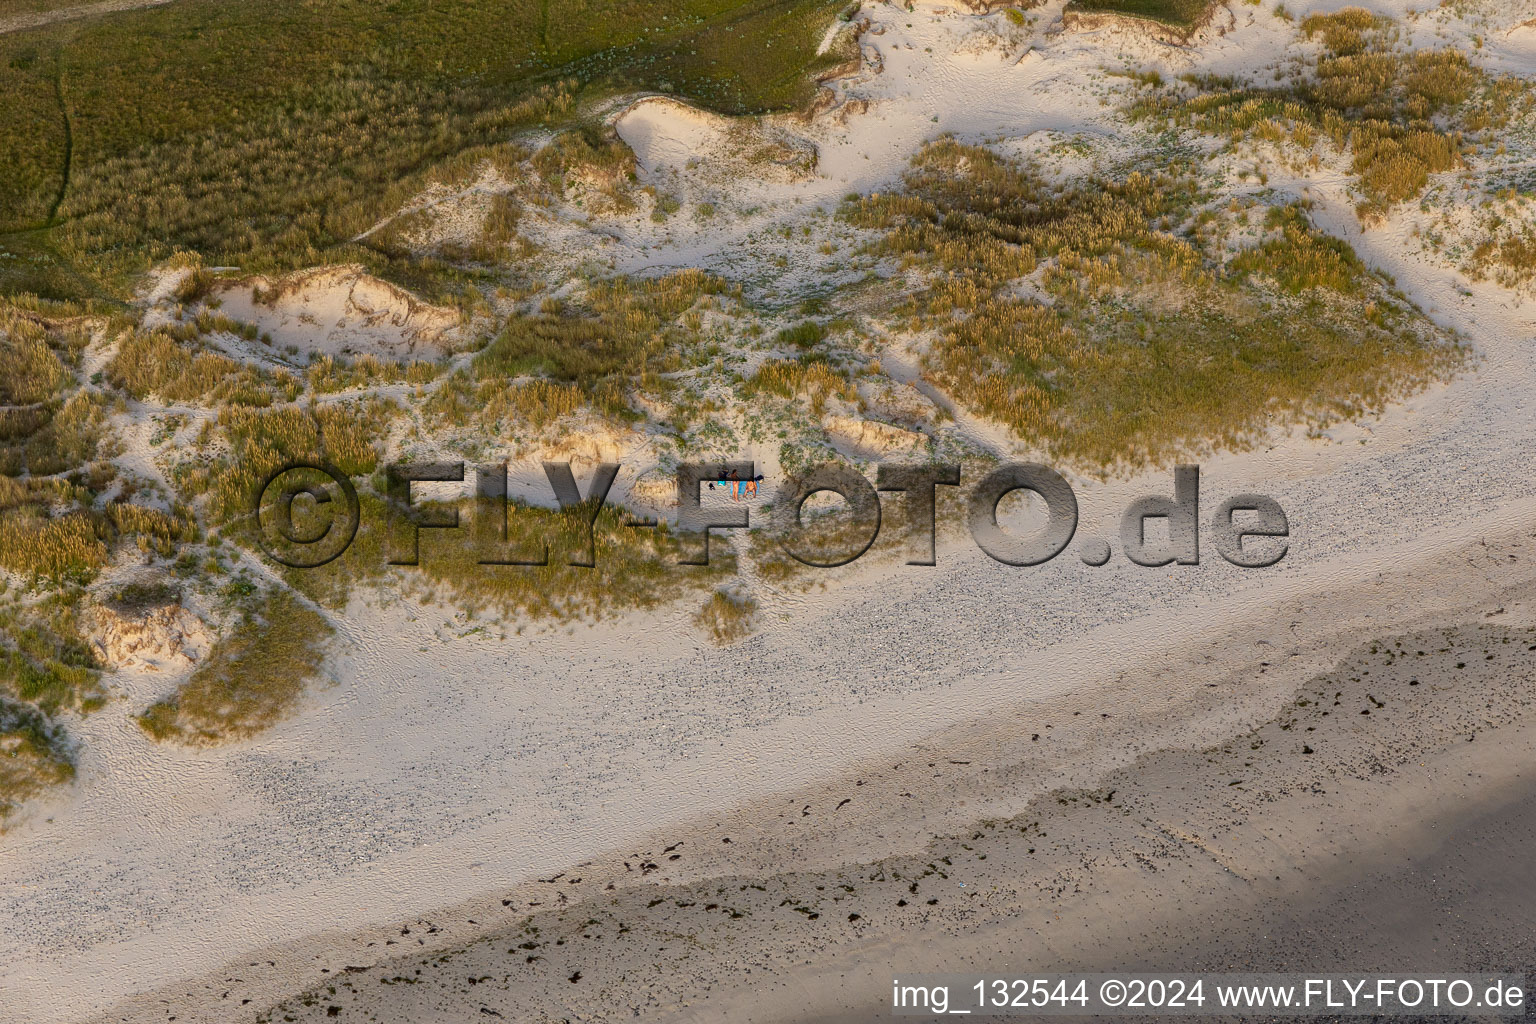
(726, 617)
(1150, 347)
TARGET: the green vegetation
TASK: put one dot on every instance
(809, 377)
(1506, 253)
(51, 438)
(267, 134)
(600, 159)
(156, 364)
(533, 403)
(329, 374)
(35, 543)
(34, 755)
(621, 334)
(274, 137)
(252, 677)
(30, 371)
(44, 661)
(803, 335)
(1179, 13)
(45, 668)
(39, 540)
(345, 434)
(55, 523)
(139, 595)
(1400, 116)
(1153, 344)
(634, 569)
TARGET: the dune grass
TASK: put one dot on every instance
(1152, 345)
(1506, 253)
(619, 334)
(267, 134)
(251, 678)
(726, 617)
(495, 404)
(635, 569)
(30, 371)
(329, 374)
(44, 659)
(811, 378)
(1400, 116)
(34, 543)
(50, 528)
(346, 434)
(35, 754)
(155, 364)
(1179, 13)
(58, 523)
(46, 668)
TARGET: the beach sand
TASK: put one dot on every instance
(1333, 801)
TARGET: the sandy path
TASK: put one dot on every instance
(37, 19)
(449, 766)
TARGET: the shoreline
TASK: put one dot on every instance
(1160, 850)
(1444, 891)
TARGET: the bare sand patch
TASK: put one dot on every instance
(671, 136)
(871, 439)
(341, 311)
(167, 637)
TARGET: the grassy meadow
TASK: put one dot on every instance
(267, 134)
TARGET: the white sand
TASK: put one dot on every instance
(341, 311)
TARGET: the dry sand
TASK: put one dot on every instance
(1176, 839)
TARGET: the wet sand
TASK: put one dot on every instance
(1437, 880)
(1454, 895)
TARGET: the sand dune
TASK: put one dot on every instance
(461, 784)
